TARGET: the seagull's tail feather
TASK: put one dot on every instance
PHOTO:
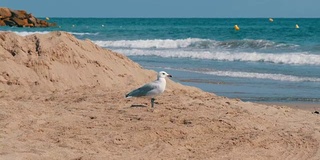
(136, 93)
(128, 96)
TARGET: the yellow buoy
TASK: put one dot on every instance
(297, 26)
(47, 18)
(236, 27)
(270, 19)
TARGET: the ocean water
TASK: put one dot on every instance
(263, 62)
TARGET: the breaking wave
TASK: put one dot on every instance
(194, 43)
(277, 77)
(302, 58)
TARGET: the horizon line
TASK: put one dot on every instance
(192, 17)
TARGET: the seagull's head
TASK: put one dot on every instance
(163, 74)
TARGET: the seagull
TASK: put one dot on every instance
(151, 89)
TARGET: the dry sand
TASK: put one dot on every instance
(63, 98)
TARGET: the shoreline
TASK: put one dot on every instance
(215, 85)
(295, 105)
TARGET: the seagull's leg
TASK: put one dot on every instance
(152, 102)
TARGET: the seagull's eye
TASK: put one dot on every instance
(163, 74)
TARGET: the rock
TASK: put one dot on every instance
(52, 24)
(32, 20)
(20, 22)
(9, 22)
(2, 23)
(5, 12)
(43, 23)
(21, 18)
(21, 14)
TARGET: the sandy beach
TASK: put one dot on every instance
(312, 107)
(63, 98)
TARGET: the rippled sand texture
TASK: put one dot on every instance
(62, 98)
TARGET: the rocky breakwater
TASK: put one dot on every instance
(20, 18)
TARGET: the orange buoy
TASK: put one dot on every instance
(236, 27)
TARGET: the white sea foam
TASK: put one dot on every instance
(156, 43)
(194, 43)
(26, 33)
(278, 77)
(283, 58)
(251, 75)
(82, 34)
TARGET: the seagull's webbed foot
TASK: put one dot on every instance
(152, 102)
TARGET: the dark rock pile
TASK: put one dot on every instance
(20, 18)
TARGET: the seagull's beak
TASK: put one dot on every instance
(169, 75)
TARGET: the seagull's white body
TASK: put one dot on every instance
(151, 89)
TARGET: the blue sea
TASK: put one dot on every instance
(262, 62)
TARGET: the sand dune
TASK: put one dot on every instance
(63, 98)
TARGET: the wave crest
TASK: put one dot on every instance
(277, 77)
(283, 58)
(194, 43)
(156, 43)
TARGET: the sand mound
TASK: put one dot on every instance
(58, 61)
(63, 98)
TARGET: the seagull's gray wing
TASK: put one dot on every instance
(146, 90)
